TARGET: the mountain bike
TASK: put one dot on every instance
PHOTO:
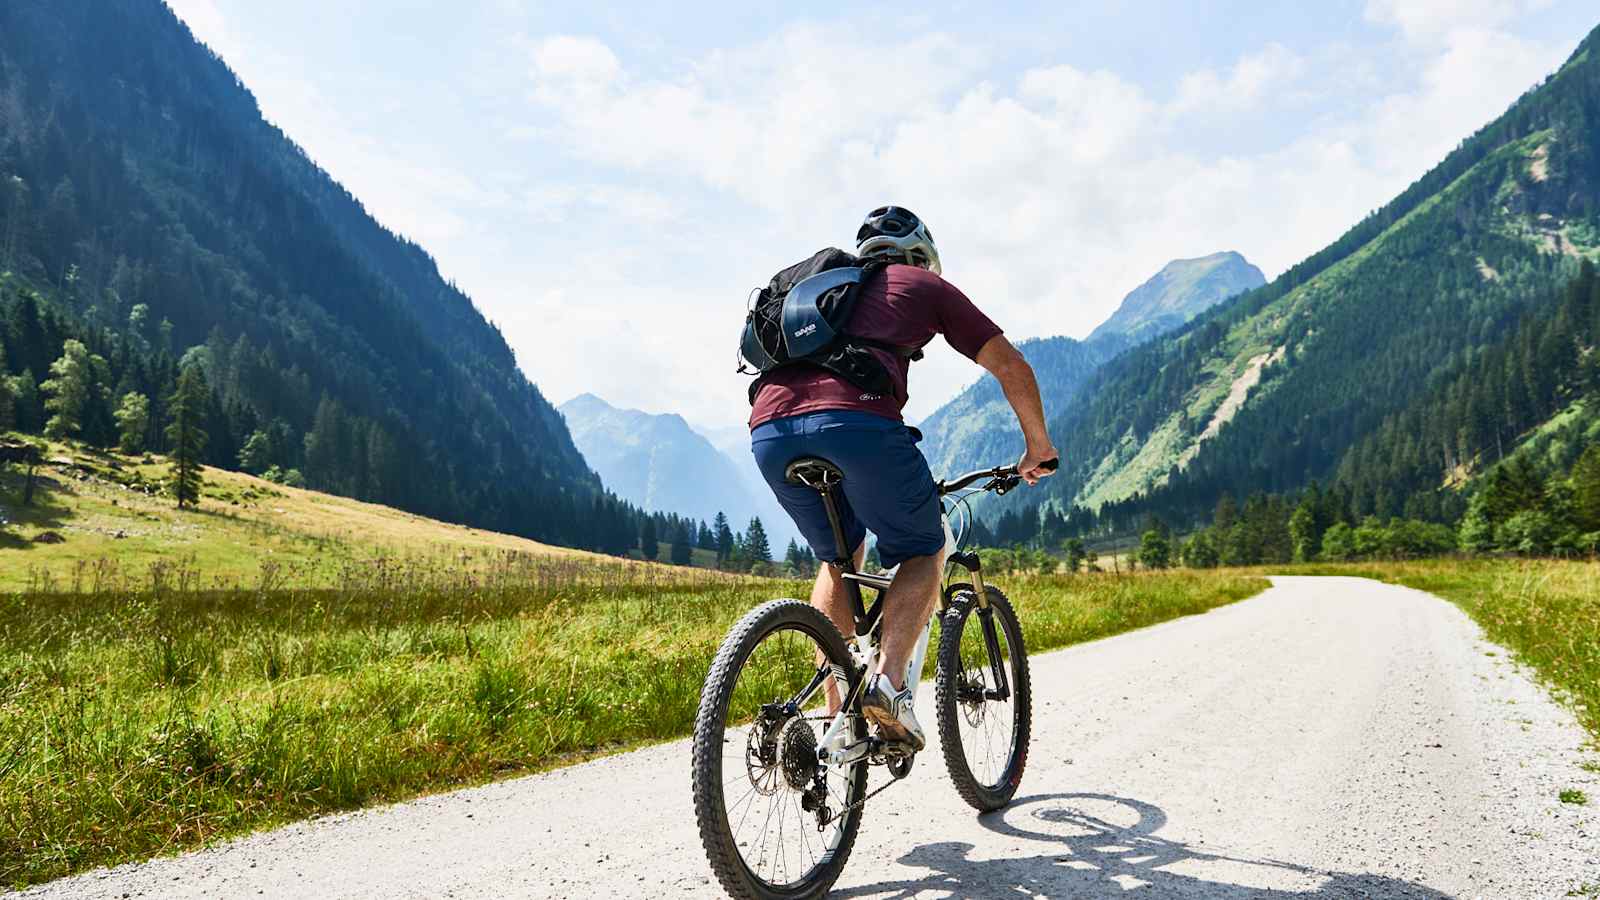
(782, 753)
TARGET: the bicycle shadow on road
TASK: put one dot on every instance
(1107, 846)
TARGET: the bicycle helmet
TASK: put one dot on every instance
(896, 231)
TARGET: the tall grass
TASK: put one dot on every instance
(141, 717)
(1546, 611)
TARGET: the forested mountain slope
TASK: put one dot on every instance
(977, 428)
(1271, 390)
(147, 208)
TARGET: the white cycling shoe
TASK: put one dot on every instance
(891, 711)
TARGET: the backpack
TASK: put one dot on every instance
(800, 318)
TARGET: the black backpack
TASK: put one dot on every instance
(800, 318)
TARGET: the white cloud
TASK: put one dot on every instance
(556, 203)
(1051, 196)
(1424, 20)
(574, 62)
(1243, 86)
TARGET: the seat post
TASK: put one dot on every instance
(844, 560)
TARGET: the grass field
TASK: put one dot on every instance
(151, 706)
(1546, 611)
(114, 525)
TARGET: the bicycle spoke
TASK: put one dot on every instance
(775, 719)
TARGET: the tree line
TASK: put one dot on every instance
(1498, 455)
(211, 404)
(668, 537)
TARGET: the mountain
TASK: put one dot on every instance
(153, 214)
(1183, 289)
(978, 429)
(660, 464)
(1277, 387)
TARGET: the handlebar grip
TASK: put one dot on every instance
(1050, 465)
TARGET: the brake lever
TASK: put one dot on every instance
(1003, 486)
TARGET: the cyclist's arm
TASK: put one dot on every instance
(1016, 379)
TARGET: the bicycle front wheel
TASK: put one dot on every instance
(984, 698)
(775, 821)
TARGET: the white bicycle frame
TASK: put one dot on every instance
(841, 751)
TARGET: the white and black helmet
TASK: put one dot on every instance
(896, 231)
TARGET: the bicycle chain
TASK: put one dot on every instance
(849, 807)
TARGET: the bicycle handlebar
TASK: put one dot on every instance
(1004, 478)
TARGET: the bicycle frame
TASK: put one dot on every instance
(833, 748)
(864, 643)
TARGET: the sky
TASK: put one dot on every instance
(608, 183)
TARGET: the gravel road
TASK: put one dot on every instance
(1331, 737)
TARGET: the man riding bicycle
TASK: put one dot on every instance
(805, 411)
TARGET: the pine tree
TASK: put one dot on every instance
(756, 546)
(1303, 534)
(724, 538)
(648, 544)
(25, 406)
(8, 399)
(705, 539)
(1073, 548)
(683, 544)
(1227, 513)
(68, 389)
(133, 419)
(185, 435)
(327, 446)
(256, 454)
(1155, 549)
(1201, 551)
(1585, 481)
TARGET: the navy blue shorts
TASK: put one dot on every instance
(887, 486)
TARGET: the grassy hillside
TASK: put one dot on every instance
(115, 526)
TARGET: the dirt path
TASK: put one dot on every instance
(1329, 738)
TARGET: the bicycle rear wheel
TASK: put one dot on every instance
(984, 698)
(774, 821)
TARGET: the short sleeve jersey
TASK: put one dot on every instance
(904, 306)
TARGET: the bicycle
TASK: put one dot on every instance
(784, 671)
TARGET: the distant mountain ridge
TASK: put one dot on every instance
(977, 428)
(1183, 289)
(662, 464)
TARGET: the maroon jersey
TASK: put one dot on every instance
(904, 306)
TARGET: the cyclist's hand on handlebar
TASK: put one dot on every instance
(1037, 463)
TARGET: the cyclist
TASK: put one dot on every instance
(888, 489)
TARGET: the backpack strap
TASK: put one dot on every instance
(911, 353)
(871, 266)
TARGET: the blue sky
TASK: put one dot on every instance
(608, 182)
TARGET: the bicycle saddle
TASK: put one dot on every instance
(813, 472)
